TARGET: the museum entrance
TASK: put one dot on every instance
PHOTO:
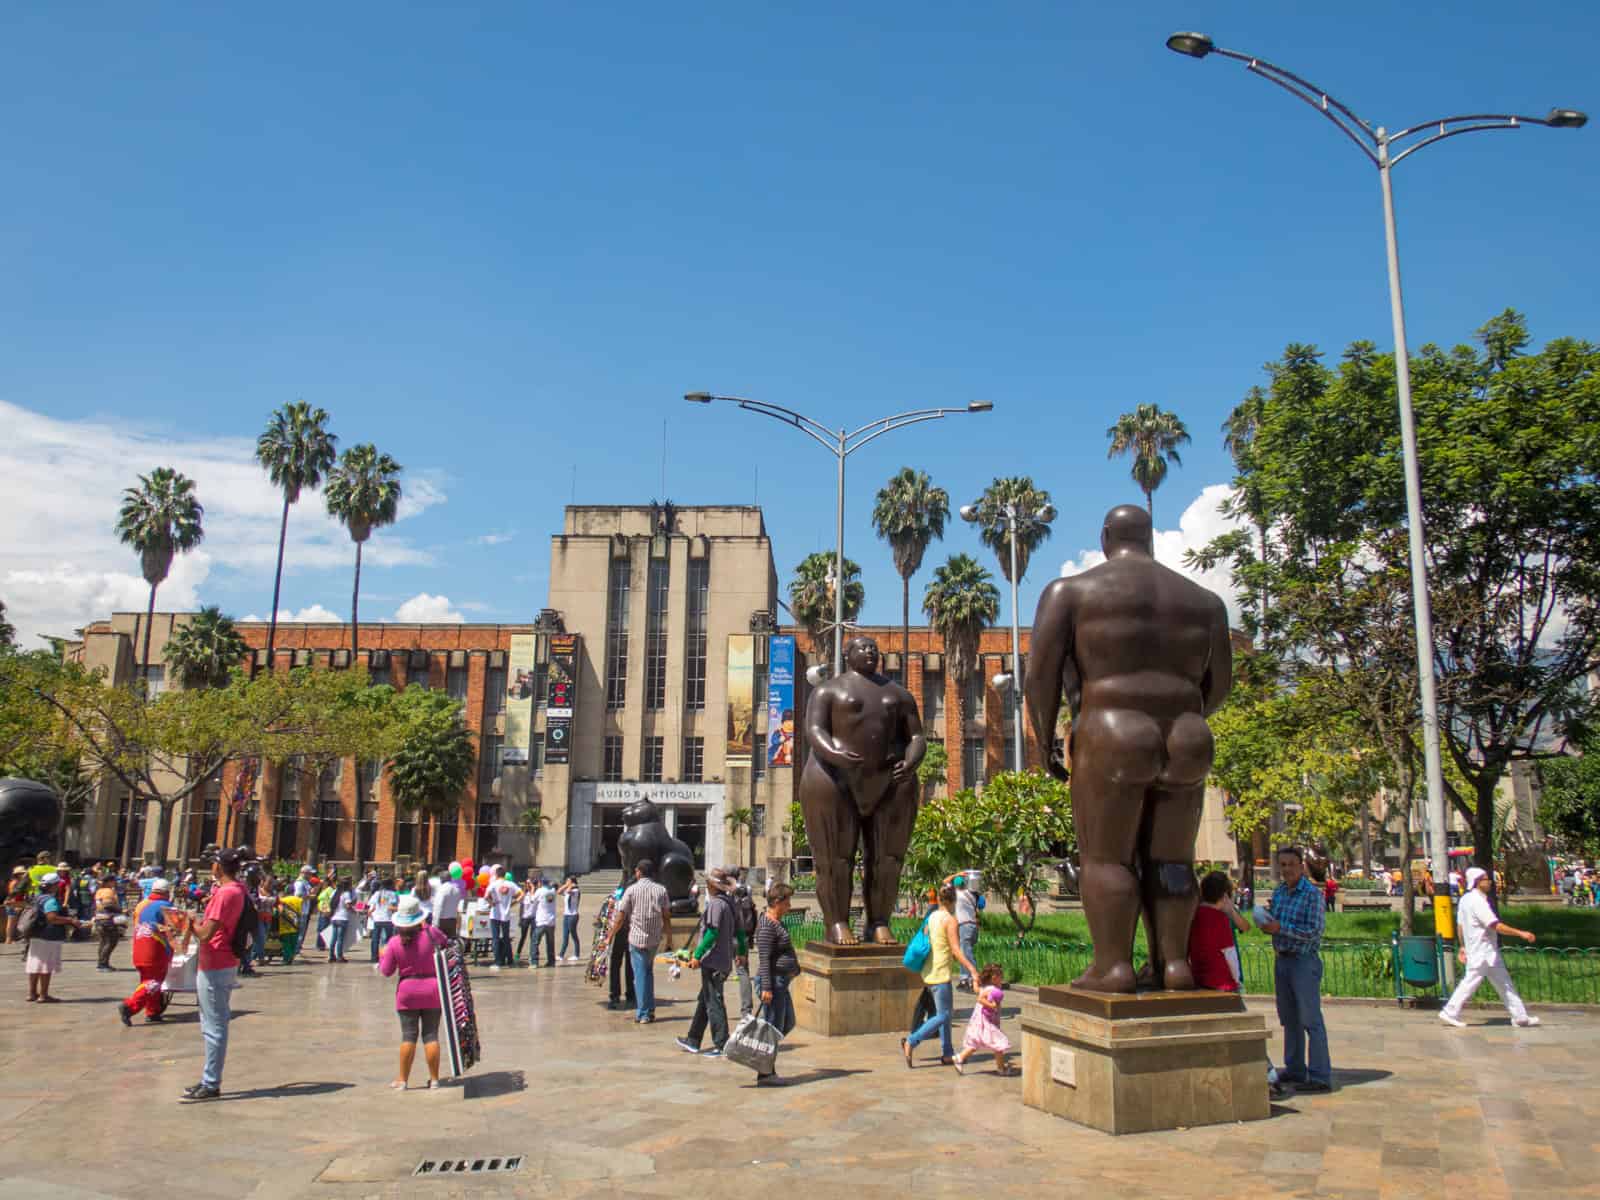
(688, 825)
(605, 833)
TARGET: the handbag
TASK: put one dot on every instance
(919, 949)
(754, 1043)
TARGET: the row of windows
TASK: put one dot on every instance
(652, 759)
(655, 634)
(658, 587)
(619, 593)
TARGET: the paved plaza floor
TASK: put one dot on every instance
(598, 1106)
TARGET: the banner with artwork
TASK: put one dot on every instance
(780, 702)
(560, 697)
(519, 699)
(741, 697)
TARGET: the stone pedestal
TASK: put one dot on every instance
(846, 990)
(1135, 1064)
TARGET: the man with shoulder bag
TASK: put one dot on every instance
(714, 956)
(224, 933)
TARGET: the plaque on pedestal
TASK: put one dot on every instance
(1136, 1063)
(848, 990)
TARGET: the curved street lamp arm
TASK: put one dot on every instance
(1443, 129)
(876, 429)
(1347, 122)
(816, 429)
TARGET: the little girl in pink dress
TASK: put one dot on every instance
(983, 1028)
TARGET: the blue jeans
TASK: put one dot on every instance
(336, 939)
(644, 979)
(502, 942)
(258, 952)
(781, 1011)
(569, 929)
(382, 931)
(215, 991)
(968, 934)
(1298, 980)
(943, 1002)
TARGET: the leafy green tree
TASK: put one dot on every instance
(1028, 501)
(811, 596)
(933, 768)
(434, 762)
(204, 651)
(1011, 832)
(158, 519)
(363, 491)
(297, 451)
(910, 513)
(1569, 800)
(1509, 456)
(1152, 435)
(796, 830)
(961, 601)
(8, 631)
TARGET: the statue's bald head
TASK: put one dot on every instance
(1127, 528)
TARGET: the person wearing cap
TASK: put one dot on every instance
(1480, 928)
(714, 956)
(44, 947)
(219, 968)
(1296, 921)
(409, 954)
(152, 952)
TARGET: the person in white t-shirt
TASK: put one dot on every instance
(446, 904)
(528, 905)
(502, 893)
(544, 924)
(568, 892)
(380, 912)
(1479, 928)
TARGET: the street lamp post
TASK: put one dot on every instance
(1012, 517)
(1379, 145)
(841, 443)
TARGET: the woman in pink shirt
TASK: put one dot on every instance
(409, 953)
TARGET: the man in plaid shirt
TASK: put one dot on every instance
(1296, 923)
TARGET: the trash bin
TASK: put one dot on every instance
(1418, 963)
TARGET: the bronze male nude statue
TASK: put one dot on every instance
(1143, 656)
(860, 785)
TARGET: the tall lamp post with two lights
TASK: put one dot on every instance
(1385, 151)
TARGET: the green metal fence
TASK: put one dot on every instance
(1543, 975)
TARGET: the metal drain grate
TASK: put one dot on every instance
(468, 1166)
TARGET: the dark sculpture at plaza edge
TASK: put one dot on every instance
(30, 814)
(645, 836)
(859, 786)
(1143, 656)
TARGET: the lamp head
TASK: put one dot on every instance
(698, 397)
(981, 406)
(1047, 513)
(1002, 682)
(1566, 118)
(818, 675)
(969, 512)
(1195, 45)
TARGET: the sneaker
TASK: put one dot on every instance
(127, 1017)
(649, 1020)
(201, 1092)
(1453, 1022)
(1527, 1022)
(687, 1046)
(496, 967)
(961, 1067)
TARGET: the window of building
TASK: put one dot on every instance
(455, 683)
(932, 696)
(405, 835)
(654, 754)
(619, 590)
(694, 656)
(383, 675)
(490, 745)
(210, 809)
(367, 831)
(611, 759)
(444, 846)
(972, 773)
(487, 840)
(494, 691)
(155, 680)
(972, 699)
(694, 759)
(655, 634)
(1010, 755)
(536, 751)
(329, 810)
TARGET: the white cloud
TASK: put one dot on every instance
(1199, 523)
(494, 539)
(425, 609)
(61, 483)
(312, 614)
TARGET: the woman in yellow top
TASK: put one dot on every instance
(936, 973)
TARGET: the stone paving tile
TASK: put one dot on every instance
(602, 1107)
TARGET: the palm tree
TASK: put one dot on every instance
(961, 602)
(364, 492)
(994, 531)
(203, 652)
(1238, 438)
(910, 513)
(811, 595)
(1152, 437)
(297, 451)
(159, 518)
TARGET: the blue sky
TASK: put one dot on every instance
(501, 242)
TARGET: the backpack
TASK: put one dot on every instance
(744, 912)
(245, 931)
(32, 923)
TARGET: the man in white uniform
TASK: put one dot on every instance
(544, 925)
(502, 894)
(446, 903)
(1479, 930)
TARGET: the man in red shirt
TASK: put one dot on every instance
(218, 969)
(1211, 941)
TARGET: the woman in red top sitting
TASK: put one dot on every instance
(1211, 941)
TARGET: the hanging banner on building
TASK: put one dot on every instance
(741, 697)
(519, 699)
(560, 697)
(780, 702)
